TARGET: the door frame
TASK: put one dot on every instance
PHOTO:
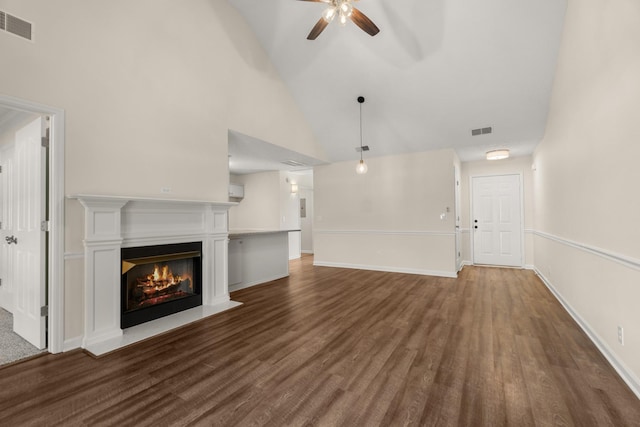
(55, 247)
(521, 192)
(457, 177)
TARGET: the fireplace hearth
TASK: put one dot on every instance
(159, 280)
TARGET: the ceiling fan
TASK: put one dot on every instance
(344, 10)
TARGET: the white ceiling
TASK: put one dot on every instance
(436, 70)
(250, 155)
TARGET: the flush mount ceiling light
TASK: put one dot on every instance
(362, 168)
(498, 154)
(344, 10)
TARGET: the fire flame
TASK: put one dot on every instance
(162, 277)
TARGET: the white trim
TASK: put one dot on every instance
(624, 260)
(72, 343)
(56, 215)
(521, 195)
(390, 232)
(627, 375)
(387, 269)
(306, 251)
(73, 255)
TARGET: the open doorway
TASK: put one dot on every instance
(31, 216)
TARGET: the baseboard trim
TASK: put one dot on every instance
(625, 373)
(72, 344)
(438, 273)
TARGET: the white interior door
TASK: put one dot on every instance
(457, 219)
(6, 228)
(29, 240)
(496, 220)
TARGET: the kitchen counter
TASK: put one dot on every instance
(236, 234)
(257, 256)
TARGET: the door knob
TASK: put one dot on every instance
(11, 239)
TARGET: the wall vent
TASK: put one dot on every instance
(481, 131)
(16, 26)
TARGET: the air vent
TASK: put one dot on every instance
(363, 148)
(293, 163)
(481, 131)
(16, 26)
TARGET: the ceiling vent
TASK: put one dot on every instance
(363, 148)
(293, 163)
(16, 26)
(480, 131)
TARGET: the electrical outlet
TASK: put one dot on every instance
(621, 335)
(165, 190)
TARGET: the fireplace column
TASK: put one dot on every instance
(102, 244)
(215, 261)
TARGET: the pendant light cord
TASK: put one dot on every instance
(361, 131)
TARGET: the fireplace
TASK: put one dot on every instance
(159, 280)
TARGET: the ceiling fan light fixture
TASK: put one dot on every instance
(345, 11)
(346, 8)
(329, 13)
(498, 154)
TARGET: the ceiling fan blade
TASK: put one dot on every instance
(366, 24)
(317, 29)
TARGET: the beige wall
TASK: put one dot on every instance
(586, 204)
(260, 207)
(389, 218)
(517, 165)
(268, 203)
(150, 89)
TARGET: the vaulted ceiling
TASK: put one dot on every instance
(436, 70)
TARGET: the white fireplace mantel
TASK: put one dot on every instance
(114, 222)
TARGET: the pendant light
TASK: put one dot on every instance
(362, 168)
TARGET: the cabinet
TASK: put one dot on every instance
(235, 261)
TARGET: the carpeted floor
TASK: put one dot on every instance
(12, 346)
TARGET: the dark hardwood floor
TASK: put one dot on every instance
(330, 346)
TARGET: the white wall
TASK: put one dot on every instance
(586, 204)
(150, 89)
(389, 218)
(260, 207)
(289, 203)
(268, 203)
(517, 165)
